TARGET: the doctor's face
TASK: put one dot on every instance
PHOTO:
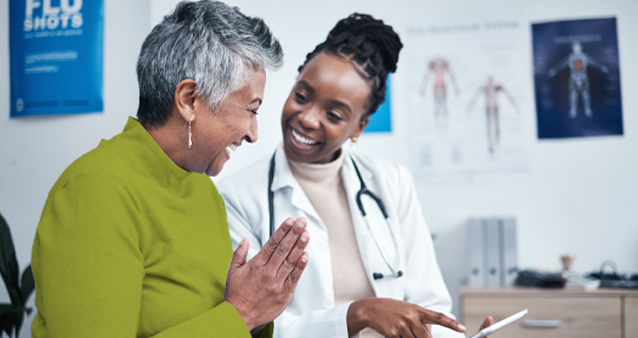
(325, 108)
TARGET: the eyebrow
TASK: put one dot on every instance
(258, 100)
(342, 105)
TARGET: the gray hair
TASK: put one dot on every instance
(209, 42)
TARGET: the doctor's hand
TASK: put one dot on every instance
(261, 288)
(395, 318)
(486, 323)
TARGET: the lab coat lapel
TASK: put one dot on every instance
(364, 240)
(284, 178)
(370, 255)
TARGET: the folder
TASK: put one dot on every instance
(474, 247)
(509, 267)
(492, 251)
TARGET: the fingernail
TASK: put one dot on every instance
(304, 258)
(304, 237)
(463, 328)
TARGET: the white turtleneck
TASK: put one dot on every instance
(323, 185)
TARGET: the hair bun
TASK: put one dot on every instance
(361, 28)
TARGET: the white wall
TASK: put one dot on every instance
(579, 198)
(35, 150)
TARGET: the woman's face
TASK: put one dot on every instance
(324, 109)
(216, 135)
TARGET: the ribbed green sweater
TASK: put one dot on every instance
(131, 245)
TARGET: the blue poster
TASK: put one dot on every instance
(381, 120)
(56, 51)
(577, 78)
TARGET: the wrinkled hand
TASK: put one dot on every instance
(261, 288)
(394, 318)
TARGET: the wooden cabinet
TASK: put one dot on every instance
(631, 316)
(554, 313)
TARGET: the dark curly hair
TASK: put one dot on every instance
(370, 44)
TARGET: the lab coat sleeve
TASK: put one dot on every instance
(239, 216)
(87, 261)
(314, 324)
(424, 283)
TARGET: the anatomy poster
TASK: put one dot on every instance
(468, 90)
(577, 78)
(56, 51)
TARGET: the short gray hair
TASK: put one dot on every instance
(209, 42)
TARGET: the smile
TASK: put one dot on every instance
(231, 149)
(302, 140)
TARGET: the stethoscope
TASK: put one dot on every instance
(394, 268)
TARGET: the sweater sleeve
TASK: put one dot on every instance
(89, 268)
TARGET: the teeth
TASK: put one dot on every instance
(302, 139)
(231, 149)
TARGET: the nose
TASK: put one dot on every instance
(252, 134)
(310, 117)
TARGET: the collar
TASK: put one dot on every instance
(284, 178)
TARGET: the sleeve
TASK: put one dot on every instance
(89, 268)
(239, 224)
(244, 218)
(424, 283)
(314, 324)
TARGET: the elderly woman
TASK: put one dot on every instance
(133, 240)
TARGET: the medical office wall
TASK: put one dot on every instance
(35, 150)
(574, 196)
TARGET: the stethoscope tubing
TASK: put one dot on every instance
(396, 272)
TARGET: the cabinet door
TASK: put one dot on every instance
(578, 317)
(631, 317)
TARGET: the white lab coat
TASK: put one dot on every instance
(312, 312)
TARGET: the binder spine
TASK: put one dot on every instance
(493, 252)
(475, 261)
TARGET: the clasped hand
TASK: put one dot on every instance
(261, 288)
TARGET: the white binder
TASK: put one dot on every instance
(493, 252)
(475, 261)
(509, 255)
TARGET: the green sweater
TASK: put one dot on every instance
(131, 245)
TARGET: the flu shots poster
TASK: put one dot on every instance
(56, 56)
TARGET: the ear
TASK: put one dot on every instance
(362, 125)
(185, 97)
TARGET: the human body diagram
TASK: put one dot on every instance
(437, 68)
(491, 90)
(578, 61)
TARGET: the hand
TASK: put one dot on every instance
(395, 318)
(486, 322)
(261, 288)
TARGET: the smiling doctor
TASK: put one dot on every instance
(372, 269)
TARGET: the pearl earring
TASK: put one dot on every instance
(353, 142)
(190, 133)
